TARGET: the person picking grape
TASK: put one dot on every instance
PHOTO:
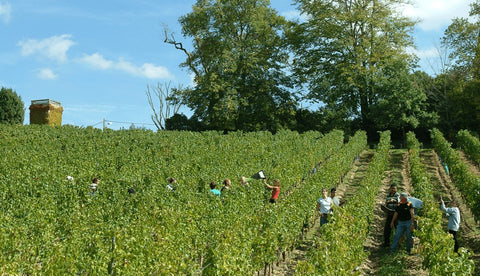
(94, 186)
(171, 183)
(406, 218)
(226, 185)
(214, 190)
(391, 203)
(453, 214)
(275, 189)
(324, 205)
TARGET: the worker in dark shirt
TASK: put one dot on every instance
(406, 218)
(391, 203)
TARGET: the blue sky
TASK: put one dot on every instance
(97, 57)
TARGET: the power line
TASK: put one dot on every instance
(109, 122)
(147, 124)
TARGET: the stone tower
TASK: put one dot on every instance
(47, 112)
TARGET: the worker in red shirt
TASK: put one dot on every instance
(275, 189)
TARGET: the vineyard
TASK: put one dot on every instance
(53, 225)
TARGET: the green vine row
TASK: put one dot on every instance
(464, 179)
(340, 248)
(436, 245)
(469, 144)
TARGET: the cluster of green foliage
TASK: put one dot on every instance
(12, 110)
(453, 92)
(436, 245)
(340, 249)
(50, 225)
(255, 70)
(353, 57)
(238, 63)
(464, 179)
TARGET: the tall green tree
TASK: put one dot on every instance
(462, 39)
(403, 104)
(238, 61)
(12, 110)
(347, 52)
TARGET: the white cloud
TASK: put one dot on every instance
(436, 14)
(54, 47)
(432, 52)
(5, 12)
(428, 53)
(96, 60)
(126, 66)
(46, 74)
(152, 71)
(295, 14)
(147, 70)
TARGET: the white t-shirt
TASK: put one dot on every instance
(336, 200)
(93, 186)
(416, 203)
(325, 205)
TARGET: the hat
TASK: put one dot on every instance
(404, 194)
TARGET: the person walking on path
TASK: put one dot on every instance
(406, 218)
(324, 205)
(453, 214)
(275, 189)
(391, 203)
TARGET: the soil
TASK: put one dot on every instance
(380, 256)
(474, 168)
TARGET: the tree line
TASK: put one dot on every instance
(342, 64)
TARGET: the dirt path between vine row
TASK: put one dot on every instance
(469, 230)
(471, 165)
(353, 179)
(373, 244)
(344, 190)
(374, 265)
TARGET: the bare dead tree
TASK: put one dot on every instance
(167, 105)
(190, 59)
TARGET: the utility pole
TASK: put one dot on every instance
(103, 124)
